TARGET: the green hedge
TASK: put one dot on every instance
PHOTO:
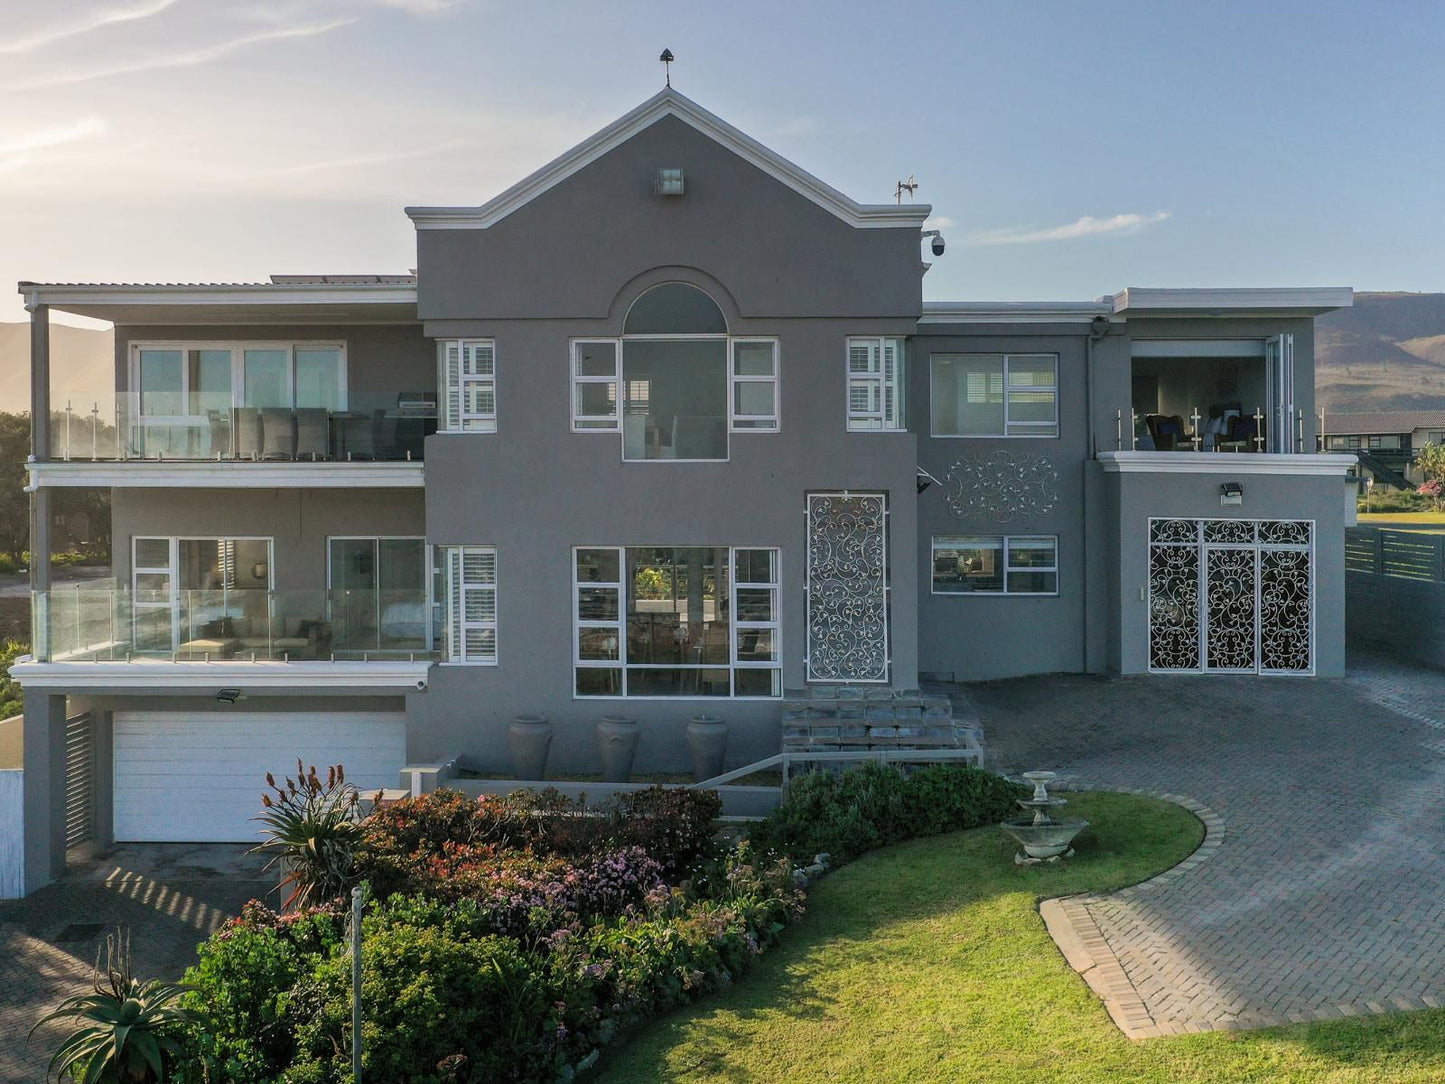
(848, 814)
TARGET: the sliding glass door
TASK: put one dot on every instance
(378, 589)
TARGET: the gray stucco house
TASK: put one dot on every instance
(665, 427)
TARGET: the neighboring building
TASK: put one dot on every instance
(665, 428)
(1390, 438)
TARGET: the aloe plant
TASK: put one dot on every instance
(313, 829)
(126, 1031)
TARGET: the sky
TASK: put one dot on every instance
(1068, 149)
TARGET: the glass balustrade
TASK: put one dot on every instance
(99, 622)
(375, 426)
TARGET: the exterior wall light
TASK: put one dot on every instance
(668, 183)
(1231, 493)
(230, 696)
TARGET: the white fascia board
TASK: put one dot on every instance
(246, 676)
(1014, 312)
(210, 474)
(1224, 302)
(1319, 464)
(670, 103)
(61, 295)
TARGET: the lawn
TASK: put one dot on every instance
(1405, 519)
(928, 962)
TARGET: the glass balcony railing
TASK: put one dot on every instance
(98, 622)
(375, 426)
(1225, 428)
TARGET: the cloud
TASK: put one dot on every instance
(1087, 226)
(94, 20)
(52, 137)
(418, 7)
(184, 59)
(938, 222)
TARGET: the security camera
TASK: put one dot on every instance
(936, 247)
(421, 685)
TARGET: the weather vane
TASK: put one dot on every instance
(666, 59)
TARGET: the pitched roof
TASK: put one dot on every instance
(670, 103)
(1382, 422)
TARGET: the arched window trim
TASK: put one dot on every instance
(627, 316)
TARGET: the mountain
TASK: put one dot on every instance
(1386, 353)
(81, 361)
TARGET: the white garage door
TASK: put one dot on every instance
(186, 777)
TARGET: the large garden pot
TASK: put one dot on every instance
(617, 742)
(530, 737)
(707, 737)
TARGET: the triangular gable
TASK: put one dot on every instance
(669, 103)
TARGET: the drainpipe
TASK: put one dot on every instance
(1097, 330)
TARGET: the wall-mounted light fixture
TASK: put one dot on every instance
(230, 696)
(668, 182)
(1231, 493)
(924, 479)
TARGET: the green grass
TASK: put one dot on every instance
(928, 962)
(1403, 517)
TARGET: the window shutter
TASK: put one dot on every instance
(452, 385)
(471, 604)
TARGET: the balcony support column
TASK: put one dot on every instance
(39, 443)
(44, 788)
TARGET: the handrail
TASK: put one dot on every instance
(886, 756)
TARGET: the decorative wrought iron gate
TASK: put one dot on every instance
(1231, 596)
(848, 587)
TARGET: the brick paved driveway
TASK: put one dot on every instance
(1324, 896)
(171, 898)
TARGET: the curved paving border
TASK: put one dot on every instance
(1088, 952)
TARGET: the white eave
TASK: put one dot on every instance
(220, 303)
(1292, 300)
(1321, 464)
(669, 103)
(1014, 312)
(153, 676)
(210, 474)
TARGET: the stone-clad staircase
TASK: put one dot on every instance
(863, 719)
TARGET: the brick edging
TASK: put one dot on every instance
(1087, 951)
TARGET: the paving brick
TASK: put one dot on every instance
(1317, 891)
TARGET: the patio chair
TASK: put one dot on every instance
(219, 423)
(246, 432)
(1167, 431)
(313, 426)
(278, 428)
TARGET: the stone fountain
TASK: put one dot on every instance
(1043, 838)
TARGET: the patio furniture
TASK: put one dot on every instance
(220, 433)
(313, 433)
(1167, 431)
(246, 432)
(278, 428)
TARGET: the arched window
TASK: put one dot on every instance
(674, 308)
(675, 384)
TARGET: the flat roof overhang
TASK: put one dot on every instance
(213, 304)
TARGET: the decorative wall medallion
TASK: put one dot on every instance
(1002, 486)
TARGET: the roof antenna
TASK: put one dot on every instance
(910, 186)
(666, 59)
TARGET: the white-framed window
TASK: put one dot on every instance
(754, 385)
(995, 565)
(180, 380)
(468, 373)
(469, 585)
(876, 382)
(201, 595)
(994, 395)
(676, 621)
(675, 384)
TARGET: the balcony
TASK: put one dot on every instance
(109, 426)
(102, 623)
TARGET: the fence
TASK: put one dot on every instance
(1395, 592)
(12, 802)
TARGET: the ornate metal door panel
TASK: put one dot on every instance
(1231, 595)
(1174, 595)
(848, 587)
(1230, 609)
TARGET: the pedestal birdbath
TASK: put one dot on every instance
(1043, 838)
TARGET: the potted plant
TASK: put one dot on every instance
(530, 738)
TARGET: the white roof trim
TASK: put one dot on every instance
(1315, 299)
(1013, 312)
(211, 474)
(669, 103)
(1228, 463)
(246, 676)
(63, 294)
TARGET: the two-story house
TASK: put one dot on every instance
(664, 428)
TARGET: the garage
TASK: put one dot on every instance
(197, 777)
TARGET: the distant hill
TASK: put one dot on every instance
(81, 361)
(1386, 353)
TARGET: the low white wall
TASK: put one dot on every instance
(12, 834)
